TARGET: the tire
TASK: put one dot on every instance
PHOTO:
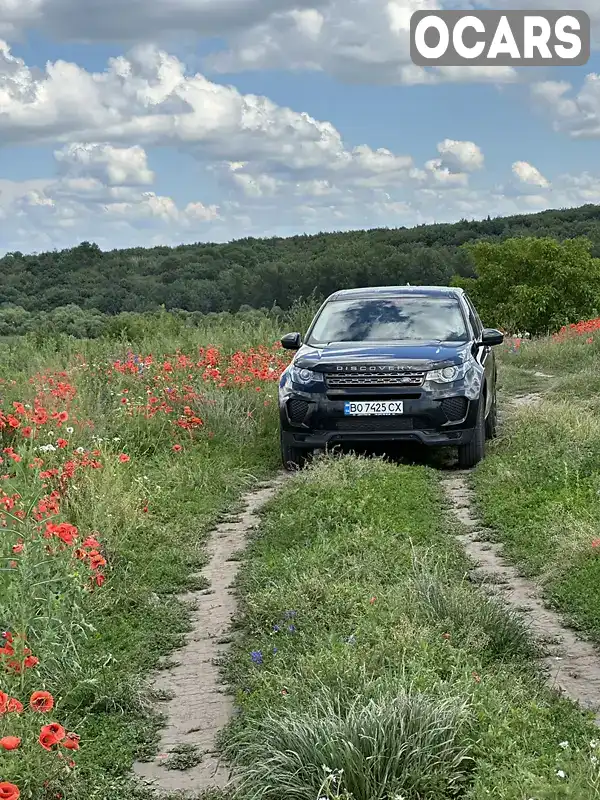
(293, 458)
(491, 423)
(469, 455)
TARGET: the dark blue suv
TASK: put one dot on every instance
(390, 364)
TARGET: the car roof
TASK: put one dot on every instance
(397, 291)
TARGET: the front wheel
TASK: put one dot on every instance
(293, 458)
(469, 455)
(491, 423)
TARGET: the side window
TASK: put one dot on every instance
(474, 318)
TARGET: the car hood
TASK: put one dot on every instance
(426, 355)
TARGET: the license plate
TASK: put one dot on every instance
(374, 408)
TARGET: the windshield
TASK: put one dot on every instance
(414, 319)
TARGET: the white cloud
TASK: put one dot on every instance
(577, 114)
(361, 41)
(124, 166)
(94, 197)
(461, 156)
(136, 20)
(528, 174)
(147, 99)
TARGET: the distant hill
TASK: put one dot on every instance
(263, 272)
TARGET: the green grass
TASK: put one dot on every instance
(539, 487)
(101, 684)
(398, 677)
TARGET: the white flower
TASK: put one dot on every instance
(593, 744)
(594, 760)
(564, 745)
(80, 450)
(69, 430)
(560, 773)
(47, 448)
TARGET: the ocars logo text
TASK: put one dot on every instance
(501, 39)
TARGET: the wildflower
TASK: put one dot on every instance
(71, 742)
(292, 628)
(124, 458)
(177, 448)
(560, 773)
(14, 706)
(70, 430)
(8, 791)
(476, 677)
(373, 600)
(10, 742)
(51, 735)
(564, 745)
(41, 701)
(256, 657)
(446, 636)
(593, 744)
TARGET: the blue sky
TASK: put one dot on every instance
(174, 142)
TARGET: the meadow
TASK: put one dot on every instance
(361, 646)
(116, 461)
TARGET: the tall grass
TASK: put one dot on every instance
(150, 515)
(363, 650)
(539, 487)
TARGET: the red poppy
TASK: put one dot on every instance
(10, 742)
(177, 448)
(41, 701)
(71, 742)
(124, 458)
(51, 735)
(14, 706)
(8, 791)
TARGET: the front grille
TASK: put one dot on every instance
(297, 411)
(455, 408)
(374, 424)
(343, 380)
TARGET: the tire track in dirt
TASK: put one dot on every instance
(572, 664)
(199, 705)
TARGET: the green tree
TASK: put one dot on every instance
(534, 284)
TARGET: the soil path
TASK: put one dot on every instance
(572, 664)
(199, 705)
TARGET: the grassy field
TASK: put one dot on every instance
(116, 465)
(539, 488)
(362, 647)
(368, 667)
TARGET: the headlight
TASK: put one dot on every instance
(448, 374)
(305, 376)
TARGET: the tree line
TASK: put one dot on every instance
(73, 291)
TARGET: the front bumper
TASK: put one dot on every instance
(316, 421)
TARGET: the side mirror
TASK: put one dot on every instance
(292, 341)
(491, 337)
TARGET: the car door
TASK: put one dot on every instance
(485, 355)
